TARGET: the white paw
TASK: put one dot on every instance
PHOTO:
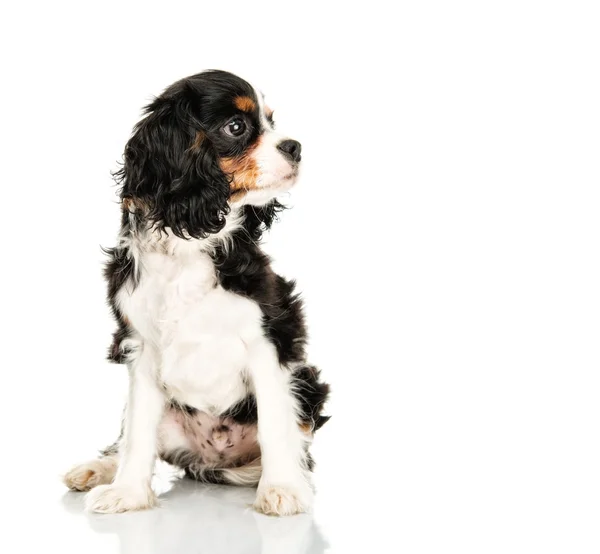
(114, 499)
(85, 477)
(277, 500)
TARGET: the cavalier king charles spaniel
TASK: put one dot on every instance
(214, 340)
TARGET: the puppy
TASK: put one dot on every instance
(213, 339)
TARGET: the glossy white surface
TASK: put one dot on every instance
(195, 518)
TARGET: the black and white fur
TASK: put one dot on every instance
(213, 339)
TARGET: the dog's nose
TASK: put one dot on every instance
(291, 149)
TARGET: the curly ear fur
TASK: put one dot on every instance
(260, 218)
(172, 169)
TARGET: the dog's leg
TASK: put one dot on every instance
(131, 488)
(284, 488)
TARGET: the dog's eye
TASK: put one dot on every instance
(235, 128)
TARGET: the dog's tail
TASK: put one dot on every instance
(247, 475)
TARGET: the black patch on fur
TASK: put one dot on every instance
(245, 270)
(117, 270)
(115, 353)
(184, 408)
(310, 462)
(312, 394)
(204, 475)
(113, 449)
(244, 412)
(258, 219)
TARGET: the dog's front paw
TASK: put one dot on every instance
(277, 500)
(114, 499)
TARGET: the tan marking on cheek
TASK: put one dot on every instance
(268, 111)
(244, 172)
(245, 103)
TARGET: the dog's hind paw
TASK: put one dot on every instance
(85, 477)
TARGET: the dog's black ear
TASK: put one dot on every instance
(172, 169)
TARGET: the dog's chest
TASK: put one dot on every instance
(199, 330)
(170, 290)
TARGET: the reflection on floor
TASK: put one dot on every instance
(195, 518)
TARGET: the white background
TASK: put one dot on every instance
(444, 232)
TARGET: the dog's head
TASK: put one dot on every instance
(206, 143)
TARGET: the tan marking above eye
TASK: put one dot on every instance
(245, 103)
(268, 111)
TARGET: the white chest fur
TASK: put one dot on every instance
(198, 331)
